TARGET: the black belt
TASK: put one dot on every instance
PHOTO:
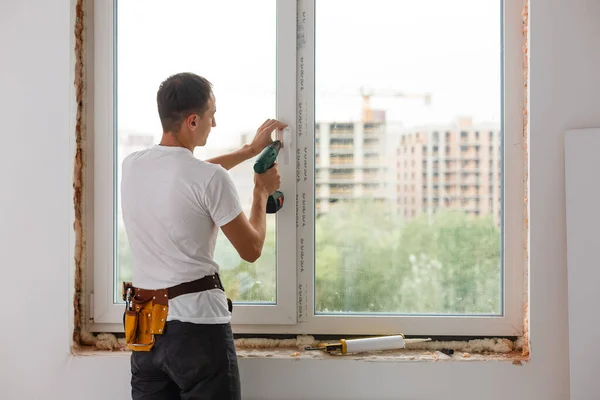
(199, 285)
(161, 296)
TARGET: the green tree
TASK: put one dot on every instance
(357, 266)
(368, 261)
(466, 251)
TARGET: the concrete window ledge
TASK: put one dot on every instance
(493, 349)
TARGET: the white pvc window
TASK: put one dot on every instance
(404, 207)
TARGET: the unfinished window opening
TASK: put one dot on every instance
(351, 172)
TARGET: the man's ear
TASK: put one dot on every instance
(192, 120)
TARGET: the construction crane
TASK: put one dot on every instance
(366, 93)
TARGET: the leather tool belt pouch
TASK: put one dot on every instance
(146, 310)
(145, 315)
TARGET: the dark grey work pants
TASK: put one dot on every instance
(189, 361)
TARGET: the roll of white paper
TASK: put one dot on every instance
(374, 344)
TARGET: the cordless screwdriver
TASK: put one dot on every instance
(265, 161)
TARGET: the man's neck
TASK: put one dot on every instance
(171, 140)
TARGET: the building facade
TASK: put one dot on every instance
(350, 163)
(453, 167)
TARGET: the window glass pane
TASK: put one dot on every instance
(224, 43)
(408, 157)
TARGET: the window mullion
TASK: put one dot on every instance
(305, 160)
(286, 111)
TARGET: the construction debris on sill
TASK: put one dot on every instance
(424, 350)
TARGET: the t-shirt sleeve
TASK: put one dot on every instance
(221, 198)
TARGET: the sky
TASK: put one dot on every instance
(450, 49)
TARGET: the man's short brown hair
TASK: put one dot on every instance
(179, 96)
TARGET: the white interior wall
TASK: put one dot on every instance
(581, 167)
(36, 251)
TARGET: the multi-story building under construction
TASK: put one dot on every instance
(453, 167)
(350, 163)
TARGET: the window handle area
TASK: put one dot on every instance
(286, 137)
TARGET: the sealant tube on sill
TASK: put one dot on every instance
(346, 346)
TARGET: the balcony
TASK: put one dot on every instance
(372, 193)
(341, 150)
(341, 146)
(372, 160)
(372, 177)
(341, 160)
(470, 181)
(336, 177)
(341, 133)
(372, 129)
(470, 155)
(340, 193)
(372, 149)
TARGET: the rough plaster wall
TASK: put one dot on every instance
(105, 341)
(525, 15)
(78, 225)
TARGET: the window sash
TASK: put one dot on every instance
(510, 323)
(102, 176)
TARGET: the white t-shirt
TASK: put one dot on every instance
(173, 205)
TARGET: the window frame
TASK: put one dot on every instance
(295, 277)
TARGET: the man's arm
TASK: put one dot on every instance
(248, 235)
(260, 141)
(234, 158)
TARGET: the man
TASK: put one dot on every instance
(173, 205)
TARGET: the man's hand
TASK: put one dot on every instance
(267, 182)
(263, 135)
(261, 140)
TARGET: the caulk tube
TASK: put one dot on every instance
(372, 344)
